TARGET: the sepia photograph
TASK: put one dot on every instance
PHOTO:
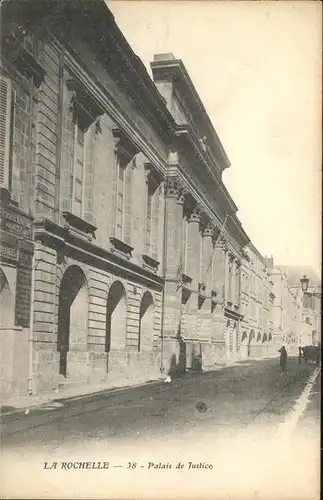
(160, 249)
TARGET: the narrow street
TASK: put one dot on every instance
(239, 429)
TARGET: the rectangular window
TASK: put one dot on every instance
(237, 286)
(148, 220)
(229, 297)
(78, 170)
(120, 200)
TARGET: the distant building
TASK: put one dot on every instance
(309, 302)
(257, 304)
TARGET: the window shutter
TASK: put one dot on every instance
(5, 106)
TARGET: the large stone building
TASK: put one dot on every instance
(204, 238)
(87, 156)
(257, 306)
(122, 255)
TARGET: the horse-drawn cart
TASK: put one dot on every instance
(312, 354)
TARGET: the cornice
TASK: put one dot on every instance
(238, 231)
(176, 71)
(187, 132)
(58, 237)
(124, 146)
(215, 191)
(52, 14)
(92, 20)
(25, 62)
(108, 103)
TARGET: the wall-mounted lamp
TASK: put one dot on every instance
(304, 282)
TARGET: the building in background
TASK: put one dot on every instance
(309, 303)
(281, 306)
(257, 298)
(296, 313)
(122, 255)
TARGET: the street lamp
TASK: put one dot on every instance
(304, 282)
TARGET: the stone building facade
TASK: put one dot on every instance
(86, 140)
(257, 306)
(122, 256)
(296, 314)
(204, 238)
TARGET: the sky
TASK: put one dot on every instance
(257, 69)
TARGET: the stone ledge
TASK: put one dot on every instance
(150, 263)
(121, 248)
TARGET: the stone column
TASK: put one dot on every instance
(207, 257)
(193, 271)
(172, 296)
(238, 283)
(193, 246)
(220, 278)
(238, 305)
(206, 279)
(233, 280)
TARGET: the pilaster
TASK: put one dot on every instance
(205, 318)
(174, 198)
(193, 269)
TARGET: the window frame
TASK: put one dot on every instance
(77, 124)
(121, 163)
(149, 203)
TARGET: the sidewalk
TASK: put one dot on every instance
(24, 403)
(14, 405)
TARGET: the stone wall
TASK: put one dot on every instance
(46, 132)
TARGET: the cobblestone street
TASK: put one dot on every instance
(243, 429)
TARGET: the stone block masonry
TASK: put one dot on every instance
(44, 295)
(46, 132)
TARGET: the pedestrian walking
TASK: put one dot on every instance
(300, 354)
(283, 357)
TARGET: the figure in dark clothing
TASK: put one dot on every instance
(283, 357)
(300, 354)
